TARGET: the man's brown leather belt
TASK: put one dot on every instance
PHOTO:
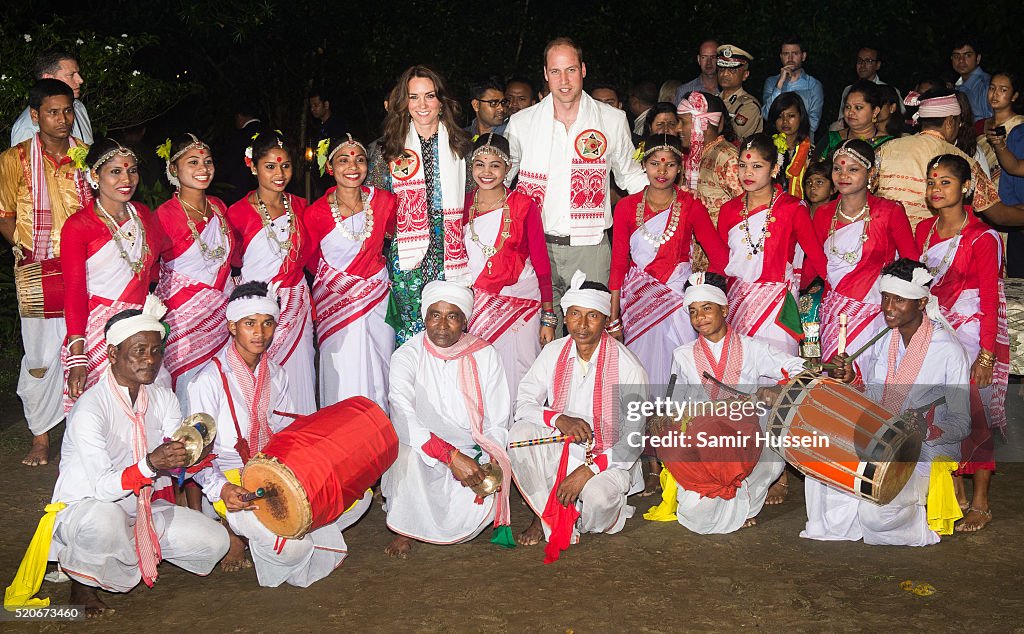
(563, 241)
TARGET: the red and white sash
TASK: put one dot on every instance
(295, 307)
(341, 298)
(196, 319)
(727, 369)
(494, 314)
(899, 381)
(859, 316)
(646, 302)
(606, 390)
(753, 304)
(409, 185)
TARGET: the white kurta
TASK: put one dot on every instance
(602, 503)
(93, 537)
(834, 515)
(762, 365)
(520, 344)
(423, 500)
(354, 361)
(299, 562)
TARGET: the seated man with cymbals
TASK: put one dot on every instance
(450, 406)
(722, 488)
(110, 531)
(579, 387)
(247, 394)
(918, 366)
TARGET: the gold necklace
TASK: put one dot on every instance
(284, 247)
(850, 257)
(950, 250)
(217, 254)
(488, 250)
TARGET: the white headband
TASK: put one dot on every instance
(243, 307)
(585, 297)
(148, 321)
(916, 290)
(442, 291)
(701, 291)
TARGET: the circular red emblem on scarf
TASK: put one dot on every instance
(591, 145)
(405, 167)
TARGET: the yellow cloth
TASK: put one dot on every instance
(666, 511)
(943, 509)
(33, 566)
(234, 476)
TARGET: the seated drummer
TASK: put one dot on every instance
(113, 532)
(709, 501)
(450, 406)
(919, 363)
(247, 394)
(577, 387)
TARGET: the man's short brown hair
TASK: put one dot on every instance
(563, 41)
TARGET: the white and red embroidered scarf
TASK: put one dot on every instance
(859, 316)
(256, 390)
(42, 210)
(898, 381)
(472, 394)
(752, 304)
(727, 369)
(147, 544)
(588, 172)
(409, 184)
(606, 390)
(342, 298)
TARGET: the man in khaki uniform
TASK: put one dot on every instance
(744, 109)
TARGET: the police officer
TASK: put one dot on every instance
(744, 109)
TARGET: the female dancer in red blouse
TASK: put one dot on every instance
(195, 265)
(966, 258)
(762, 227)
(861, 234)
(350, 291)
(274, 247)
(508, 261)
(651, 244)
(109, 251)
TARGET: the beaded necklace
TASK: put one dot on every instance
(670, 226)
(849, 256)
(754, 249)
(117, 233)
(488, 250)
(284, 247)
(950, 250)
(339, 219)
(217, 254)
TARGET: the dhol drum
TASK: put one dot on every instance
(40, 289)
(871, 452)
(320, 465)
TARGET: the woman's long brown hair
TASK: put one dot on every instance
(397, 120)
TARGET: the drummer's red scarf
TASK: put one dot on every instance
(727, 369)
(256, 390)
(469, 385)
(898, 381)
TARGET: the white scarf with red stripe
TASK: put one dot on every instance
(147, 544)
(256, 390)
(606, 387)
(727, 369)
(898, 381)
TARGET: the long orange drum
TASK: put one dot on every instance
(320, 465)
(871, 452)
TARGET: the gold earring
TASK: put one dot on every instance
(964, 190)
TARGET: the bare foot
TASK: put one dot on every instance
(652, 477)
(777, 492)
(39, 454)
(399, 547)
(89, 598)
(961, 493)
(751, 521)
(975, 520)
(532, 535)
(236, 559)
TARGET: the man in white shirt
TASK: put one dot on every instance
(63, 66)
(564, 150)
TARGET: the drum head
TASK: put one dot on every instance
(285, 510)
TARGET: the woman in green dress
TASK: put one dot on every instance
(421, 160)
(860, 112)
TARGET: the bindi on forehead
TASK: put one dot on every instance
(280, 159)
(126, 164)
(935, 174)
(843, 162)
(749, 156)
(202, 152)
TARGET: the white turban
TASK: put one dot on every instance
(442, 291)
(701, 291)
(916, 289)
(242, 307)
(148, 321)
(585, 298)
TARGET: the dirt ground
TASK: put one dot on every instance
(652, 577)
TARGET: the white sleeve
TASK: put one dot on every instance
(402, 379)
(774, 362)
(533, 393)
(515, 147)
(628, 173)
(497, 401)
(284, 403)
(205, 393)
(22, 130)
(87, 428)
